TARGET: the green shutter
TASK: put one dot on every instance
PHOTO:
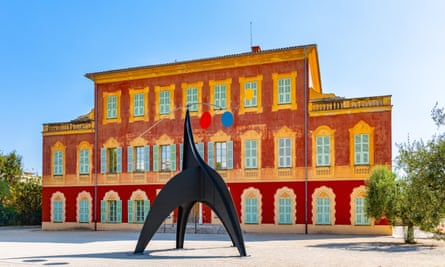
(155, 158)
(146, 208)
(201, 150)
(173, 157)
(103, 211)
(210, 154)
(119, 159)
(147, 158)
(119, 211)
(181, 150)
(130, 211)
(130, 159)
(229, 154)
(103, 160)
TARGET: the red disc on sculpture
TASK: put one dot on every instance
(205, 120)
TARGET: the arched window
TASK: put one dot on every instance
(358, 213)
(111, 208)
(285, 203)
(251, 206)
(323, 206)
(138, 207)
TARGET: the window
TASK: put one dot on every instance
(250, 157)
(220, 96)
(192, 98)
(250, 94)
(284, 95)
(84, 159)
(284, 91)
(84, 211)
(58, 163)
(164, 157)
(138, 207)
(112, 107)
(114, 211)
(221, 155)
(323, 211)
(138, 158)
(138, 109)
(111, 160)
(323, 150)
(58, 211)
(251, 211)
(360, 214)
(284, 153)
(361, 148)
(164, 100)
(284, 211)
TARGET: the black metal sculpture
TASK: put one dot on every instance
(197, 182)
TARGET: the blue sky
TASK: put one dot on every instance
(366, 48)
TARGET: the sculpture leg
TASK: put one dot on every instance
(183, 214)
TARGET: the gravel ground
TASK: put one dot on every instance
(32, 247)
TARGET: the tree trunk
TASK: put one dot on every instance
(409, 237)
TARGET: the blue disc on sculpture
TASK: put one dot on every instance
(227, 119)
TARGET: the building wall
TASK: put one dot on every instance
(339, 117)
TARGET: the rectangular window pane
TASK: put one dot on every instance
(221, 155)
(361, 149)
(165, 158)
(251, 210)
(323, 211)
(360, 214)
(139, 159)
(140, 216)
(220, 96)
(112, 107)
(112, 210)
(250, 152)
(284, 91)
(58, 163)
(284, 211)
(58, 211)
(250, 88)
(138, 105)
(192, 97)
(112, 160)
(323, 150)
(284, 152)
(84, 159)
(164, 102)
(84, 211)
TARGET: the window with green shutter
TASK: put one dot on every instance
(84, 211)
(192, 99)
(164, 102)
(253, 101)
(220, 96)
(112, 107)
(139, 104)
(58, 162)
(250, 154)
(360, 213)
(84, 161)
(57, 211)
(284, 153)
(284, 93)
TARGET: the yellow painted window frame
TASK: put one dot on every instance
(171, 89)
(133, 92)
(184, 87)
(227, 83)
(118, 118)
(361, 128)
(259, 107)
(293, 91)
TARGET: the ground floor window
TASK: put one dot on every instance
(251, 211)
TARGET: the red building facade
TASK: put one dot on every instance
(294, 158)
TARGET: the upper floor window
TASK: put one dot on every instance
(112, 107)
(284, 153)
(138, 158)
(58, 162)
(251, 94)
(192, 99)
(164, 102)
(323, 150)
(111, 160)
(250, 154)
(164, 157)
(84, 161)
(139, 105)
(284, 91)
(220, 98)
(220, 155)
(361, 149)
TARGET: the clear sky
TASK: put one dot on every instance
(366, 48)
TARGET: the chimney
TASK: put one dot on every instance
(256, 49)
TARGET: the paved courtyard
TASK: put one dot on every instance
(32, 247)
